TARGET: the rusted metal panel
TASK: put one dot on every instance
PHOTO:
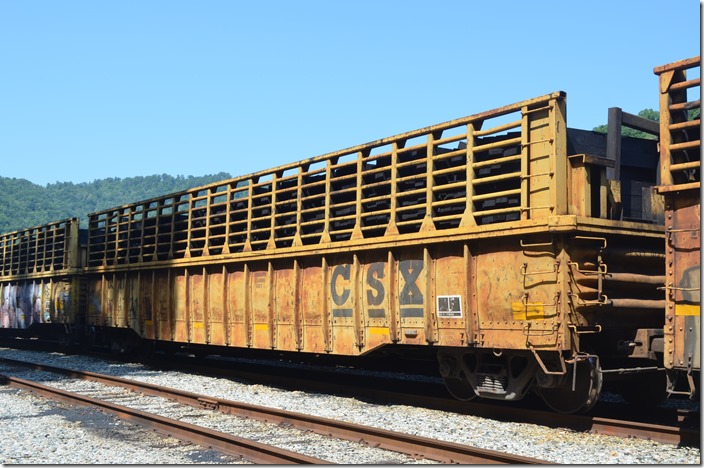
(680, 162)
(180, 303)
(260, 308)
(287, 324)
(311, 303)
(163, 301)
(376, 290)
(344, 279)
(196, 306)
(683, 283)
(237, 307)
(451, 295)
(215, 306)
(414, 272)
(518, 295)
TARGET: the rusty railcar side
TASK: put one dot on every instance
(680, 151)
(40, 279)
(489, 238)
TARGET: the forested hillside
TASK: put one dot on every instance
(24, 204)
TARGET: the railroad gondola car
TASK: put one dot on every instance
(40, 281)
(496, 242)
(680, 151)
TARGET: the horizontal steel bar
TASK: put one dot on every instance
(497, 211)
(498, 128)
(438, 188)
(502, 160)
(693, 83)
(454, 201)
(497, 144)
(488, 196)
(680, 106)
(685, 125)
(450, 139)
(685, 145)
(490, 179)
(684, 166)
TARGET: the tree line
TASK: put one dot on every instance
(24, 204)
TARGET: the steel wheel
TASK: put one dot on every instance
(585, 394)
(461, 389)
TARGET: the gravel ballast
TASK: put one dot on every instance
(40, 431)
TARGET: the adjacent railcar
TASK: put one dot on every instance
(680, 151)
(495, 243)
(40, 281)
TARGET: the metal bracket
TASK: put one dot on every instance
(524, 267)
(545, 369)
(524, 301)
(543, 244)
(594, 329)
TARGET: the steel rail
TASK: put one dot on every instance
(226, 443)
(422, 447)
(668, 433)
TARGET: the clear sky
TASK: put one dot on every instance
(120, 88)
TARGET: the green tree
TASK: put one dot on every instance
(649, 114)
(24, 204)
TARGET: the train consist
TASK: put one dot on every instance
(520, 254)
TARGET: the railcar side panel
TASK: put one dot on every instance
(215, 295)
(312, 307)
(452, 286)
(684, 281)
(680, 166)
(237, 298)
(518, 294)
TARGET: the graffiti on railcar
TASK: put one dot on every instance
(26, 304)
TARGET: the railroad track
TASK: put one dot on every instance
(678, 427)
(418, 447)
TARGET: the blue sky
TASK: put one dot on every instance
(123, 88)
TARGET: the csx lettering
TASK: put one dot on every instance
(375, 295)
(344, 272)
(410, 293)
(410, 270)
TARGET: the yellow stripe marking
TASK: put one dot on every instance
(688, 309)
(528, 311)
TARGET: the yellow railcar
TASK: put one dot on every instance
(501, 244)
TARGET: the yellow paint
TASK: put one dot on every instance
(528, 311)
(198, 325)
(378, 330)
(261, 326)
(688, 309)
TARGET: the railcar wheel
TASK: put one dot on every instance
(585, 394)
(461, 389)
